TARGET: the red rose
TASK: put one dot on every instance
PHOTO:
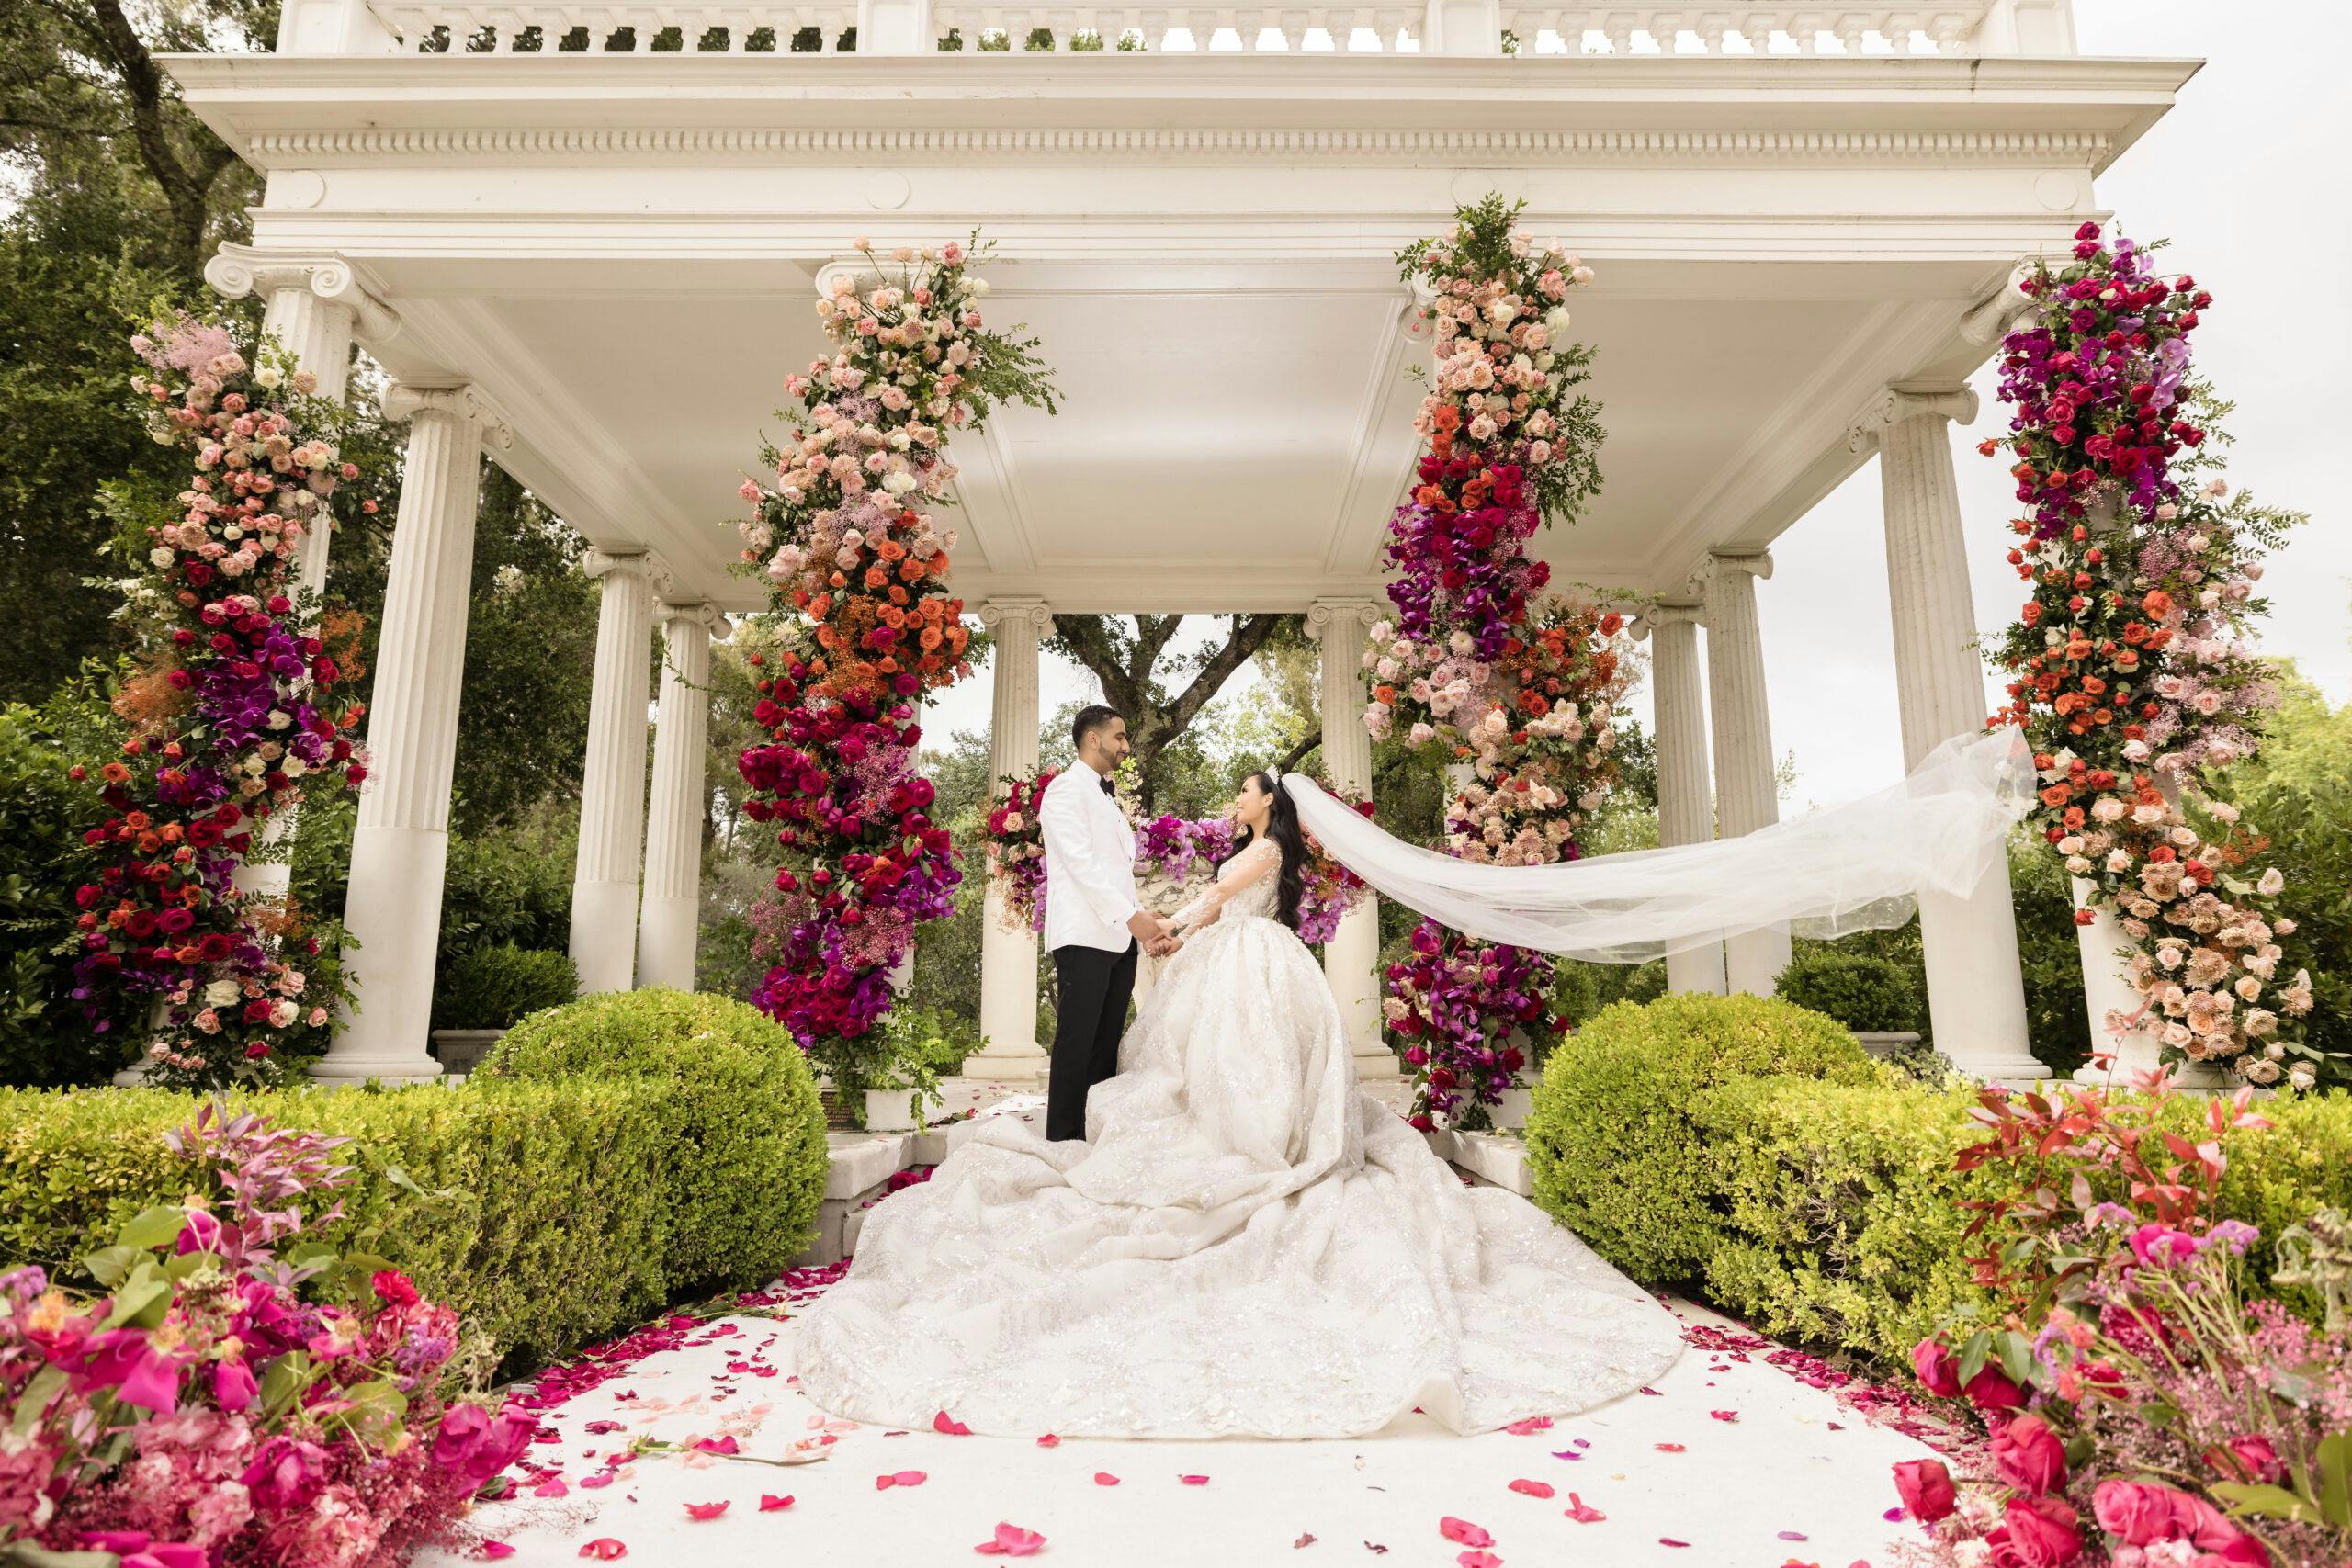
(1939, 1373)
(1925, 1488)
(2029, 1455)
(1992, 1391)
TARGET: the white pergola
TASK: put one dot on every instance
(595, 265)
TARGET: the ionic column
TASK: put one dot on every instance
(680, 803)
(1009, 958)
(1975, 987)
(611, 785)
(1351, 957)
(1747, 797)
(1685, 801)
(401, 847)
(314, 307)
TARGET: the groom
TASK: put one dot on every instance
(1094, 918)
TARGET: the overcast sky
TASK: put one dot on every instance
(2228, 176)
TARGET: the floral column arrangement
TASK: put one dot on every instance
(232, 714)
(2129, 668)
(1518, 685)
(841, 525)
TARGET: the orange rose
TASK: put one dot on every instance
(2157, 604)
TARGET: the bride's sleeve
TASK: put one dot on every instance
(1251, 865)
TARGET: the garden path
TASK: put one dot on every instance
(1732, 1460)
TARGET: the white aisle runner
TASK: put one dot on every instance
(1782, 1474)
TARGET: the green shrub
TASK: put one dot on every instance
(1645, 982)
(1842, 1225)
(1871, 994)
(494, 988)
(746, 1140)
(541, 1211)
(1612, 1145)
(43, 1037)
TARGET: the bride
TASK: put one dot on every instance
(1244, 1243)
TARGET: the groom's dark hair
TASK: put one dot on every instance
(1090, 717)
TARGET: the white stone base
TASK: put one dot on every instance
(863, 1163)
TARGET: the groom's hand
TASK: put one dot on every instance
(1148, 929)
(1164, 947)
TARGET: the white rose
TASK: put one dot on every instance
(160, 555)
(2270, 883)
(221, 993)
(897, 481)
(267, 377)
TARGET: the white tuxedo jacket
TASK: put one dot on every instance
(1090, 864)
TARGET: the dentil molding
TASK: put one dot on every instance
(236, 271)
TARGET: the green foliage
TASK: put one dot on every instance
(512, 884)
(494, 988)
(43, 1037)
(746, 1134)
(1612, 1144)
(1870, 995)
(1839, 1218)
(548, 1212)
(2058, 1025)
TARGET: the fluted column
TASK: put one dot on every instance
(1353, 955)
(313, 308)
(1976, 986)
(680, 803)
(1009, 958)
(1686, 800)
(611, 785)
(1746, 795)
(401, 847)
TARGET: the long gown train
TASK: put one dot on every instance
(1244, 1243)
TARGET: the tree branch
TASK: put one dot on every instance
(1296, 754)
(1247, 639)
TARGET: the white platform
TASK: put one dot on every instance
(1792, 1462)
(863, 1163)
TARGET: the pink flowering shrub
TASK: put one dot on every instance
(234, 1395)
(2144, 1404)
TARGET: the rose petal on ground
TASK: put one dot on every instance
(1795, 1535)
(1011, 1541)
(1669, 1541)
(1302, 1541)
(1532, 1424)
(706, 1510)
(1653, 1394)
(1376, 1550)
(1479, 1559)
(1724, 1415)
(1668, 1447)
(1104, 1478)
(717, 1446)
(947, 1426)
(908, 1478)
(494, 1549)
(1583, 1513)
(553, 1486)
(1533, 1488)
(1193, 1480)
(1463, 1531)
(603, 1548)
(1049, 1441)
(602, 1478)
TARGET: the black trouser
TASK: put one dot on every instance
(1090, 991)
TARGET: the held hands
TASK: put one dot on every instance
(1154, 934)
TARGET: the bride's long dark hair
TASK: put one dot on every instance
(1282, 827)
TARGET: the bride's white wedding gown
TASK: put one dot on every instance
(1244, 1243)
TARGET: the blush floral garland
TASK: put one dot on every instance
(1518, 685)
(2129, 667)
(843, 529)
(232, 716)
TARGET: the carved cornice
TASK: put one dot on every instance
(462, 401)
(236, 271)
(1897, 403)
(1498, 146)
(1993, 318)
(1002, 612)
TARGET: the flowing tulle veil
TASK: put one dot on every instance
(1838, 870)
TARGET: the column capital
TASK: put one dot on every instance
(702, 612)
(1646, 618)
(1325, 616)
(1014, 611)
(599, 562)
(1906, 400)
(460, 400)
(1729, 562)
(236, 271)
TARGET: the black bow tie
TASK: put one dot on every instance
(1106, 787)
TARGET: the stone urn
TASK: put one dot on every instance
(1885, 1045)
(460, 1050)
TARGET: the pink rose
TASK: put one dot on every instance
(232, 1385)
(478, 1445)
(286, 1474)
(2035, 1532)
(1925, 1488)
(2245, 1459)
(202, 1231)
(2029, 1455)
(1991, 1392)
